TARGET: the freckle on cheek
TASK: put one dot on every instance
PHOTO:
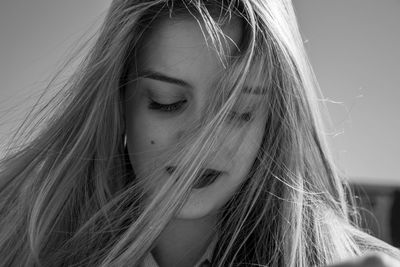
(152, 142)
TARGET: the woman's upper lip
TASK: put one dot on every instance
(211, 172)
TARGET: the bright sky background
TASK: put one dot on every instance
(354, 46)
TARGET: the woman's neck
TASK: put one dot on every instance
(183, 242)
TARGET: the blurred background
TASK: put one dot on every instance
(353, 45)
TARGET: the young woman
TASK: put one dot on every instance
(189, 136)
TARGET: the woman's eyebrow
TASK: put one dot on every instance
(155, 75)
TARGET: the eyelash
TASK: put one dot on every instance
(166, 107)
(174, 107)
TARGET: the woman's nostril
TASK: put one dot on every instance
(179, 135)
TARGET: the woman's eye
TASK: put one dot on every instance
(245, 117)
(166, 107)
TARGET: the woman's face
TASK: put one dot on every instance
(180, 68)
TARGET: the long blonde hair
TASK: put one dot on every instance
(69, 196)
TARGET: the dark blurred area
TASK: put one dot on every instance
(380, 211)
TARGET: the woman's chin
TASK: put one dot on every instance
(193, 210)
(202, 202)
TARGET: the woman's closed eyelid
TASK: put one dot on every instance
(168, 107)
(165, 95)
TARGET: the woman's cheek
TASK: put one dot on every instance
(150, 139)
(251, 146)
(149, 131)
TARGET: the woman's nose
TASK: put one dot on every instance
(179, 135)
(188, 124)
(226, 143)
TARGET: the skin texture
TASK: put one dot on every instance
(177, 48)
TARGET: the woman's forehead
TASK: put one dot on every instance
(182, 48)
(177, 48)
(191, 27)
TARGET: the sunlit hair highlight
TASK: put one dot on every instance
(70, 196)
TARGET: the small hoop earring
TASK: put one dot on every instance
(125, 140)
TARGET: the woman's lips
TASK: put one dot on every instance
(207, 177)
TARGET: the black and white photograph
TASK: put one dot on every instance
(195, 133)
